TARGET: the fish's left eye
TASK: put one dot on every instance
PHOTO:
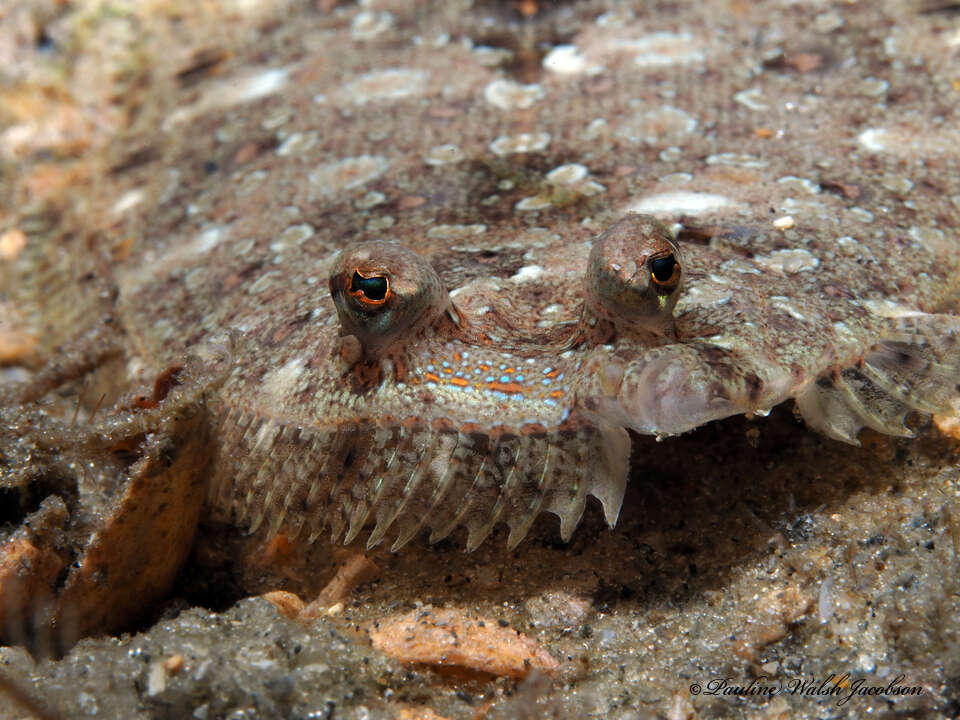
(634, 275)
(373, 290)
(383, 294)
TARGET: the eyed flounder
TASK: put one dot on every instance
(452, 271)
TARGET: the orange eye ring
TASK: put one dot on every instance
(373, 290)
(665, 271)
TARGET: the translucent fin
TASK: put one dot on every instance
(294, 475)
(907, 374)
(269, 484)
(347, 461)
(878, 410)
(307, 479)
(481, 482)
(412, 513)
(252, 491)
(453, 493)
(915, 367)
(231, 427)
(494, 479)
(825, 408)
(372, 477)
(527, 501)
(237, 491)
(409, 469)
(520, 523)
(506, 453)
(321, 497)
(405, 477)
(567, 495)
(608, 457)
(322, 479)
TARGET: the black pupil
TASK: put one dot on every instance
(374, 288)
(662, 268)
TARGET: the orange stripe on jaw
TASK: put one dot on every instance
(433, 378)
(507, 387)
(459, 382)
(557, 394)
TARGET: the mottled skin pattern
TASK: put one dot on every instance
(523, 345)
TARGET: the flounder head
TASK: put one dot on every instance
(634, 276)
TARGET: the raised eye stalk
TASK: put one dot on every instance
(385, 295)
(634, 276)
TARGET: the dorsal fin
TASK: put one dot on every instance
(915, 367)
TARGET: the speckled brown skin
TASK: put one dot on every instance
(720, 131)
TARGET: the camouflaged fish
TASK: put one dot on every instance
(453, 266)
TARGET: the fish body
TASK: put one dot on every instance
(804, 165)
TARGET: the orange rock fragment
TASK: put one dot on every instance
(527, 8)
(27, 578)
(776, 614)
(246, 153)
(287, 604)
(15, 347)
(133, 557)
(51, 181)
(173, 664)
(451, 638)
(356, 570)
(43, 118)
(443, 112)
(805, 62)
(11, 243)
(408, 202)
(949, 426)
(418, 713)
